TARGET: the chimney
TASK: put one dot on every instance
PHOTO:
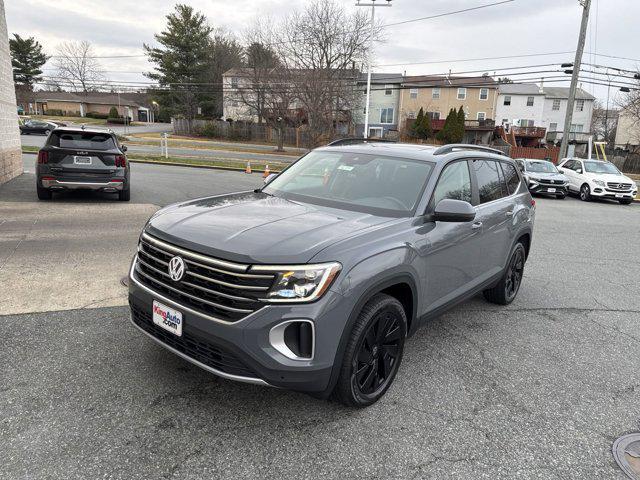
(542, 85)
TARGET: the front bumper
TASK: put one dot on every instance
(542, 188)
(55, 184)
(242, 350)
(605, 192)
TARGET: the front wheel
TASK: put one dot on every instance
(373, 353)
(507, 288)
(43, 193)
(585, 193)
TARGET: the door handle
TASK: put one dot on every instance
(509, 213)
(476, 225)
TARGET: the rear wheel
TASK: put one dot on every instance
(626, 201)
(373, 353)
(124, 195)
(585, 193)
(43, 193)
(507, 288)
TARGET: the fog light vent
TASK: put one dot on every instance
(294, 339)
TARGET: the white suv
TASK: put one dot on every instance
(596, 178)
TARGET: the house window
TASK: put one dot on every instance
(579, 105)
(435, 93)
(576, 128)
(505, 120)
(556, 104)
(507, 100)
(386, 115)
(434, 115)
(462, 94)
(234, 82)
(530, 101)
(482, 116)
(412, 115)
(388, 90)
(484, 93)
(413, 93)
(553, 127)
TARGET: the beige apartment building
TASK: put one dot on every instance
(439, 94)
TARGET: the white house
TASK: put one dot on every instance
(555, 107)
(628, 131)
(383, 104)
(520, 105)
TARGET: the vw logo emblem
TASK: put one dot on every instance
(176, 268)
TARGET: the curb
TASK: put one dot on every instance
(176, 164)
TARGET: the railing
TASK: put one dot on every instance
(486, 124)
(537, 132)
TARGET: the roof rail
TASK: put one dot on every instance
(355, 141)
(463, 146)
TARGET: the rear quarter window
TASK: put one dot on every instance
(82, 140)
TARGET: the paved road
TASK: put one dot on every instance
(539, 389)
(38, 141)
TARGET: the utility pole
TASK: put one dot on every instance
(586, 6)
(373, 29)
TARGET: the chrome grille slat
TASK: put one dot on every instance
(213, 304)
(209, 286)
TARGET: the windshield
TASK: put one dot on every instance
(386, 186)
(541, 167)
(601, 167)
(82, 140)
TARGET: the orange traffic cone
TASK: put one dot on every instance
(266, 171)
(248, 169)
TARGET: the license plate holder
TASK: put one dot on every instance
(619, 195)
(167, 318)
(551, 190)
(79, 160)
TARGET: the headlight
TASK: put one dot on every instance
(299, 283)
(600, 183)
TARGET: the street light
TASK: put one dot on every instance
(372, 4)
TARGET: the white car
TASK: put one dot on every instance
(597, 179)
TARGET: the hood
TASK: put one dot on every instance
(609, 177)
(257, 228)
(548, 176)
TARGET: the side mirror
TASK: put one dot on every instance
(579, 170)
(561, 170)
(124, 148)
(449, 210)
(269, 178)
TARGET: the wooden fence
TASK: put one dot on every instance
(549, 153)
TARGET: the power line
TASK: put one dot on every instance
(475, 59)
(403, 22)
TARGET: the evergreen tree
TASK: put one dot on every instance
(27, 58)
(447, 134)
(426, 129)
(182, 62)
(113, 112)
(417, 124)
(459, 130)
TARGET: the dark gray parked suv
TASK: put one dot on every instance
(79, 158)
(314, 282)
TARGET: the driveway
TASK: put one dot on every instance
(539, 389)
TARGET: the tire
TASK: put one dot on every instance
(585, 193)
(378, 335)
(504, 292)
(124, 195)
(43, 193)
(561, 196)
(626, 201)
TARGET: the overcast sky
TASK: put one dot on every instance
(120, 27)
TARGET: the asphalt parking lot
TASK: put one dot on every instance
(539, 389)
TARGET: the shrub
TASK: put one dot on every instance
(113, 113)
(119, 120)
(97, 115)
(209, 130)
(55, 112)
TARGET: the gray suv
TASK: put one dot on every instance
(315, 281)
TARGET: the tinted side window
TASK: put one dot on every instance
(569, 164)
(454, 183)
(490, 184)
(511, 177)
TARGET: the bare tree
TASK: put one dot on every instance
(629, 103)
(604, 123)
(76, 66)
(320, 48)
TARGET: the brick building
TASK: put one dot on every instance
(10, 149)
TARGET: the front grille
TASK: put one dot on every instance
(211, 355)
(619, 186)
(550, 182)
(216, 288)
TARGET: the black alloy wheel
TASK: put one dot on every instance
(514, 274)
(373, 352)
(377, 357)
(585, 193)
